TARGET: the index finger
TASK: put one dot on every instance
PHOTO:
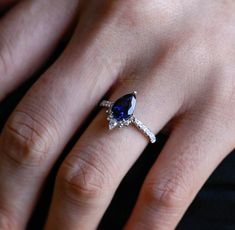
(29, 33)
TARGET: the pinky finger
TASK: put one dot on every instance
(193, 151)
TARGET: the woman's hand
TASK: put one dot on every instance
(179, 56)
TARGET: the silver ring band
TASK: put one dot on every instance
(145, 130)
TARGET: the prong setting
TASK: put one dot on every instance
(120, 124)
(118, 115)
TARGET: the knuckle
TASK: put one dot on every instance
(84, 176)
(6, 57)
(141, 12)
(6, 223)
(129, 13)
(167, 193)
(226, 89)
(26, 139)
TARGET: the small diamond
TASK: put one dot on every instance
(127, 122)
(120, 125)
(112, 124)
(107, 104)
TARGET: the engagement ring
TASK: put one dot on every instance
(121, 114)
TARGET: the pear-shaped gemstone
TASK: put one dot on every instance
(124, 107)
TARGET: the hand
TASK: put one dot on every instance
(179, 56)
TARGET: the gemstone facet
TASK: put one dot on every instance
(124, 107)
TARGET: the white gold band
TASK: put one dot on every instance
(144, 129)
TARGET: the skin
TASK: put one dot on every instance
(178, 55)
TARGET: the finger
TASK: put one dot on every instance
(46, 119)
(194, 150)
(29, 33)
(92, 172)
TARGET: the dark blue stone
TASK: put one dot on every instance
(124, 107)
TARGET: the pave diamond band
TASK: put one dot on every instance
(120, 114)
(106, 104)
(145, 130)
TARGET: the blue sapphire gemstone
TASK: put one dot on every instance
(124, 107)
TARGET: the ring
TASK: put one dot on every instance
(121, 114)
